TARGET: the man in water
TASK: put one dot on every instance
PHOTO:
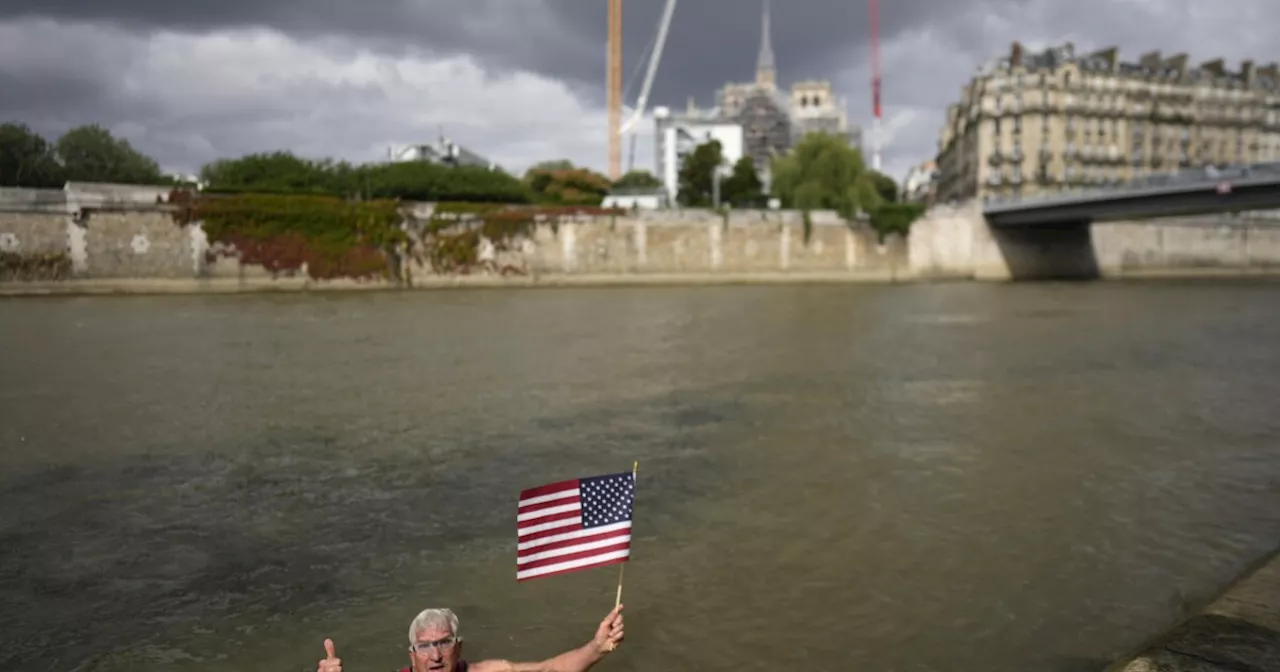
(434, 646)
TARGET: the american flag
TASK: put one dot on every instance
(572, 525)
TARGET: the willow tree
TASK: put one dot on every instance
(822, 172)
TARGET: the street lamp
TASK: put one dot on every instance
(720, 172)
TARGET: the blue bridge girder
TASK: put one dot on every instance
(1189, 192)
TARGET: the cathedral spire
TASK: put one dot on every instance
(766, 70)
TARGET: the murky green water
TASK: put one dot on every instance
(905, 478)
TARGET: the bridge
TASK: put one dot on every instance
(1189, 192)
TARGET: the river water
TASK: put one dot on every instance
(919, 477)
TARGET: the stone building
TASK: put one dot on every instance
(773, 120)
(814, 110)
(1053, 121)
(920, 183)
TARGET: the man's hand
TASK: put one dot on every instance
(331, 662)
(610, 631)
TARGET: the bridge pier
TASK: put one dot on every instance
(957, 242)
(1061, 252)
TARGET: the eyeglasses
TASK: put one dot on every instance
(443, 645)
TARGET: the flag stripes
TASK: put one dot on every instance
(574, 525)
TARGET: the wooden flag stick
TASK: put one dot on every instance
(622, 567)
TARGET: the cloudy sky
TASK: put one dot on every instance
(522, 80)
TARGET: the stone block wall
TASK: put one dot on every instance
(1187, 243)
(956, 242)
(705, 245)
(138, 244)
(122, 232)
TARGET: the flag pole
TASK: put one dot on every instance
(622, 567)
(635, 467)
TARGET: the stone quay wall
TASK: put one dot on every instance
(122, 238)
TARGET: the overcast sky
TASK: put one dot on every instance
(521, 81)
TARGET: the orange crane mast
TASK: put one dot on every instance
(614, 85)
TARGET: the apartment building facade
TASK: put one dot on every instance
(1049, 122)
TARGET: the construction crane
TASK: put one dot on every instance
(664, 24)
(614, 86)
(874, 9)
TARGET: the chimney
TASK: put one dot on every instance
(1015, 54)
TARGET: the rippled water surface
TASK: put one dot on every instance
(952, 477)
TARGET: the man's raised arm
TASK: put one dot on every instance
(578, 660)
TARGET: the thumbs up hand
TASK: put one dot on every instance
(331, 662)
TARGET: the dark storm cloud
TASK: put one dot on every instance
(244, 90)
(711, 41)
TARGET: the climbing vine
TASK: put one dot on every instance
(15, 267)
(453, 238)
(329, 237)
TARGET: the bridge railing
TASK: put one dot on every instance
(1206, 176)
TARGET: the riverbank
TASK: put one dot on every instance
(148, 286)
(234, 285)
(1238, 632)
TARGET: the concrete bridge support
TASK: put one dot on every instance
(957, 242)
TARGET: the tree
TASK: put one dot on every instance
(26, 159)
(91, 154)
(280, 172)
(637, 179)
(824, 172)
(426, 181)
(697, 174)
(886, 186)
(558, 164)
(567, 186)
(285, 173)
(743, 188)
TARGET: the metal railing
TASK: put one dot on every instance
(1206, 176)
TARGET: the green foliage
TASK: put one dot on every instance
(697, 174)
(886, 186)
(638, 179)
(743, 189)
(332, 237)
(452, 239)
(557, 164)
(27, 160)
(890, 218)
(285, 173)
(91, 154)
(15, 267)
(823, 172)
(567, 186)
(424, 181)
(279, 173)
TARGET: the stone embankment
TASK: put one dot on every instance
(124, 239)
(101, 238)
(1238, 632)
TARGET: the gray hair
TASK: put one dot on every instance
(433, 618)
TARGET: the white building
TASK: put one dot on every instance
(677, 136)
(637, 199)
(444, 151)
(918, 187)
